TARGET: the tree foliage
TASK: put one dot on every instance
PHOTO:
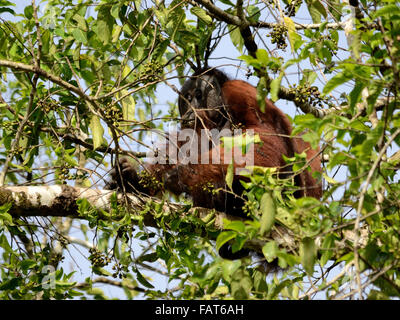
(82, 83)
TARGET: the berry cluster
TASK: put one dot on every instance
(13, 126)
(250, 206)
(307, 94)
(48, 105)
(291, 8)
(18, 151)
(150, 72)
(97, 258)
(10, 125)
(113, 115)
(119, 271)
(208, 187)
(278, 35)
(146, 180)
(63, 173)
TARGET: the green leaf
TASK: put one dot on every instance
(262, 93)
(270, 251)
(262, 56)
(228, 268)
(250, 60)
(160, 50)
(4, 215)
(142, 116)
(285, 259)
(337, 80)
(329, 179)
(97, 292)
(319, 6)
(80, 35)
(308, 254)
(237, 225)
(104, 24)
(229, 176)
(238, 243)
(115, 10)
(81, 22)
(316, 9)
(224, 237)
(100, 271)
(77, 55)
(355, 94)
(268, 212)
(254, 13)
(143, 280)
(211, 272)
(275, 86)
(128, 106)
(227, 2)
(103, 31)
(10, 284)
(387, 10)
(327, 249)
(28, 12)
(260, 284)
(201, 14)
(150, 257)
(71, 161)
(46, 36)
(6, 3)
(4, 244)
(377, 295)
(116, 34)
(309, 76)
(97, 131)
(177, 18)
(335, 9)
(65, 284)
(236, 37)
(241, 284)
(2, 9)
(291, 31)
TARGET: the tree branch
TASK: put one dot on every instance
(47, 75)
(61, 201)
(235, 20)
(105, 280)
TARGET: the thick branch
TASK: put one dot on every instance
(45, 74)
(60, 201)
(236, 21)
(221, 14)
(105, 280)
